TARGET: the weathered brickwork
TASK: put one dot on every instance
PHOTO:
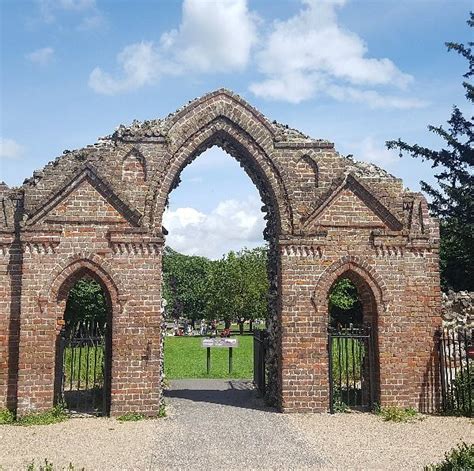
(97, 211)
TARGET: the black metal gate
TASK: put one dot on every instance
(456, 353)
(259, 352)
(82, 373)
(351, 368)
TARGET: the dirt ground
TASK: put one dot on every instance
(217, 424)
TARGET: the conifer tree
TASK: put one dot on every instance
(453, 200)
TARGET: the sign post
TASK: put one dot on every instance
(224, 342)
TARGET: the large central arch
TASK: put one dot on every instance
(239, 144)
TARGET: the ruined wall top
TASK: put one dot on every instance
(133, 161)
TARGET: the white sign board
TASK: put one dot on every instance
(222, 342)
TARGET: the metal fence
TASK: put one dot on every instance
(351, 368)
(81, 380)
(259, 352)
(456, 353)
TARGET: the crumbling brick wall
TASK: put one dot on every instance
(98, 210)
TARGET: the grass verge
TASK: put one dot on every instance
(52, 416)
(397, 414)
(6, 417)
(136, 416)
(131, 417)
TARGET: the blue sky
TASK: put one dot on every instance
(355, 72)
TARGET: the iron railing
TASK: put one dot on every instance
(351, 368)
(456, 351)
(259, 353)
(82, 368)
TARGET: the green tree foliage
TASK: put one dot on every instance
(344, 303)
(234, 288)
(453, 200)
(185, 280)
(86, 301)
(239, 287)
(222, 288)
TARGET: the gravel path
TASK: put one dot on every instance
(364, 441)
(89, 443)
(218, 424)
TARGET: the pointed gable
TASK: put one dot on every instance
(347, 209)
(352, 205)
(86, 198)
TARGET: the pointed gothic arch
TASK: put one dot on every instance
(246, 140)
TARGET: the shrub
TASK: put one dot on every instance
(6, 417)
(340, 406)
(458, 459)
(397, 414)
(462, 388)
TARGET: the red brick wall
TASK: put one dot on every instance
(98, 210)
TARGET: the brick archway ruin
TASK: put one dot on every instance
(100, 209)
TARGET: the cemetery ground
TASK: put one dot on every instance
(186, 358)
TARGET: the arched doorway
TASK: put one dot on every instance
(84, 345)
(239, 145)
(352, 343)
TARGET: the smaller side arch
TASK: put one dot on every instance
(371, 291)
(349, 264)
(91, 262)
(52, 303)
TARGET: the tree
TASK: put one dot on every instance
(86, 301)
(234, 288)
(185, 284)
(453, 201)
(223, 302)
(344, 303)
(255, 285)
(238, 287)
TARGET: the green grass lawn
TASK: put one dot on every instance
(347, 355)
(84, 365)
(185, 358)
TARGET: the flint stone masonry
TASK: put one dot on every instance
(457, 309)
(97, 211)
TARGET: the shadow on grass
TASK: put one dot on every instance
(229, 393)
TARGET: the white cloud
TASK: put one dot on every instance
(373, 99)
(140, 64)
(374, 151)
(91, 16)
(231, 225)
(214, 36)
(311, 54)
(41, 56)
(10, 149)
(77, 5)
